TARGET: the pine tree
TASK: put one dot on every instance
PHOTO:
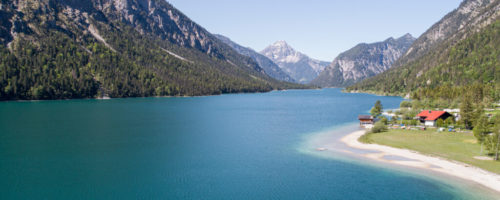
(481, 128)
(493, 141)
(467, 111)
(376, 111)
(478, 112)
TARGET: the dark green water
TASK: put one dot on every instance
(221, 147)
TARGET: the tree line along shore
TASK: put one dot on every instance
(469, 133)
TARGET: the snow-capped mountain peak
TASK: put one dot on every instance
(281, 44)
(298, 65)
(282, 52)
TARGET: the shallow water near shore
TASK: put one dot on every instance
(244, 146)
(331, 147)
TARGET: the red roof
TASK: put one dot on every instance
(431, 115)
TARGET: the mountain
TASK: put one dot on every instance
(467, 19)
(271, 68)
(299, 66)
(460, 51)
(58, 49)
(363, 61)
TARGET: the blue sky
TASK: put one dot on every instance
(319, 28)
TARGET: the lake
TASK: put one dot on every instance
(239, 146)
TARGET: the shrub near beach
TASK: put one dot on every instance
(475, 141)
(379, 126)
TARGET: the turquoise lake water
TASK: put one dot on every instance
(242, 146)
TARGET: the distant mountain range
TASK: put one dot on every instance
(60, 49)
(298, 65)
(57, 49)
(460, 50)
(363, 61)
(270, 68)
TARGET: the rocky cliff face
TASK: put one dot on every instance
(148, 17)
(161, 19)
(298, 65)
(122, 47)
(459, 50)
(363, 61)
(468, 18)
(271, 68)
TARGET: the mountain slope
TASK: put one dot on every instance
(363, 61)
(461, 50)
(299, 66)
(53, 49)
(468, 18)
(271, 68)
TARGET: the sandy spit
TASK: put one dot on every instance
(417, 160)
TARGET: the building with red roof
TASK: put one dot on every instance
(429, 117)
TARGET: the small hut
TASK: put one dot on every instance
(365, 120)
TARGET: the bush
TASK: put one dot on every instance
(411, 122)
(379, 127)
(405, 104)
(394, 120)
(440, 123)
(449, 121)
(409, 114)
(384, 120)
(416, 105)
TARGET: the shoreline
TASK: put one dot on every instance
(141, 97)
(416, 160)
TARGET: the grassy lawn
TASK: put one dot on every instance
(454, 146)
(494, 112)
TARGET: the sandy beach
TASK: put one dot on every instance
(417, 160)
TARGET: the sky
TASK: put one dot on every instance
(319, 28)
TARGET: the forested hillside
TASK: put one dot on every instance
(457, 69)
(69, 49)
(468, 61)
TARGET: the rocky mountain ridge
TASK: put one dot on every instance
(120, 48)
(296, 64)
(363, 61)
(468, 18)
(456, 53)
(270, 68)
